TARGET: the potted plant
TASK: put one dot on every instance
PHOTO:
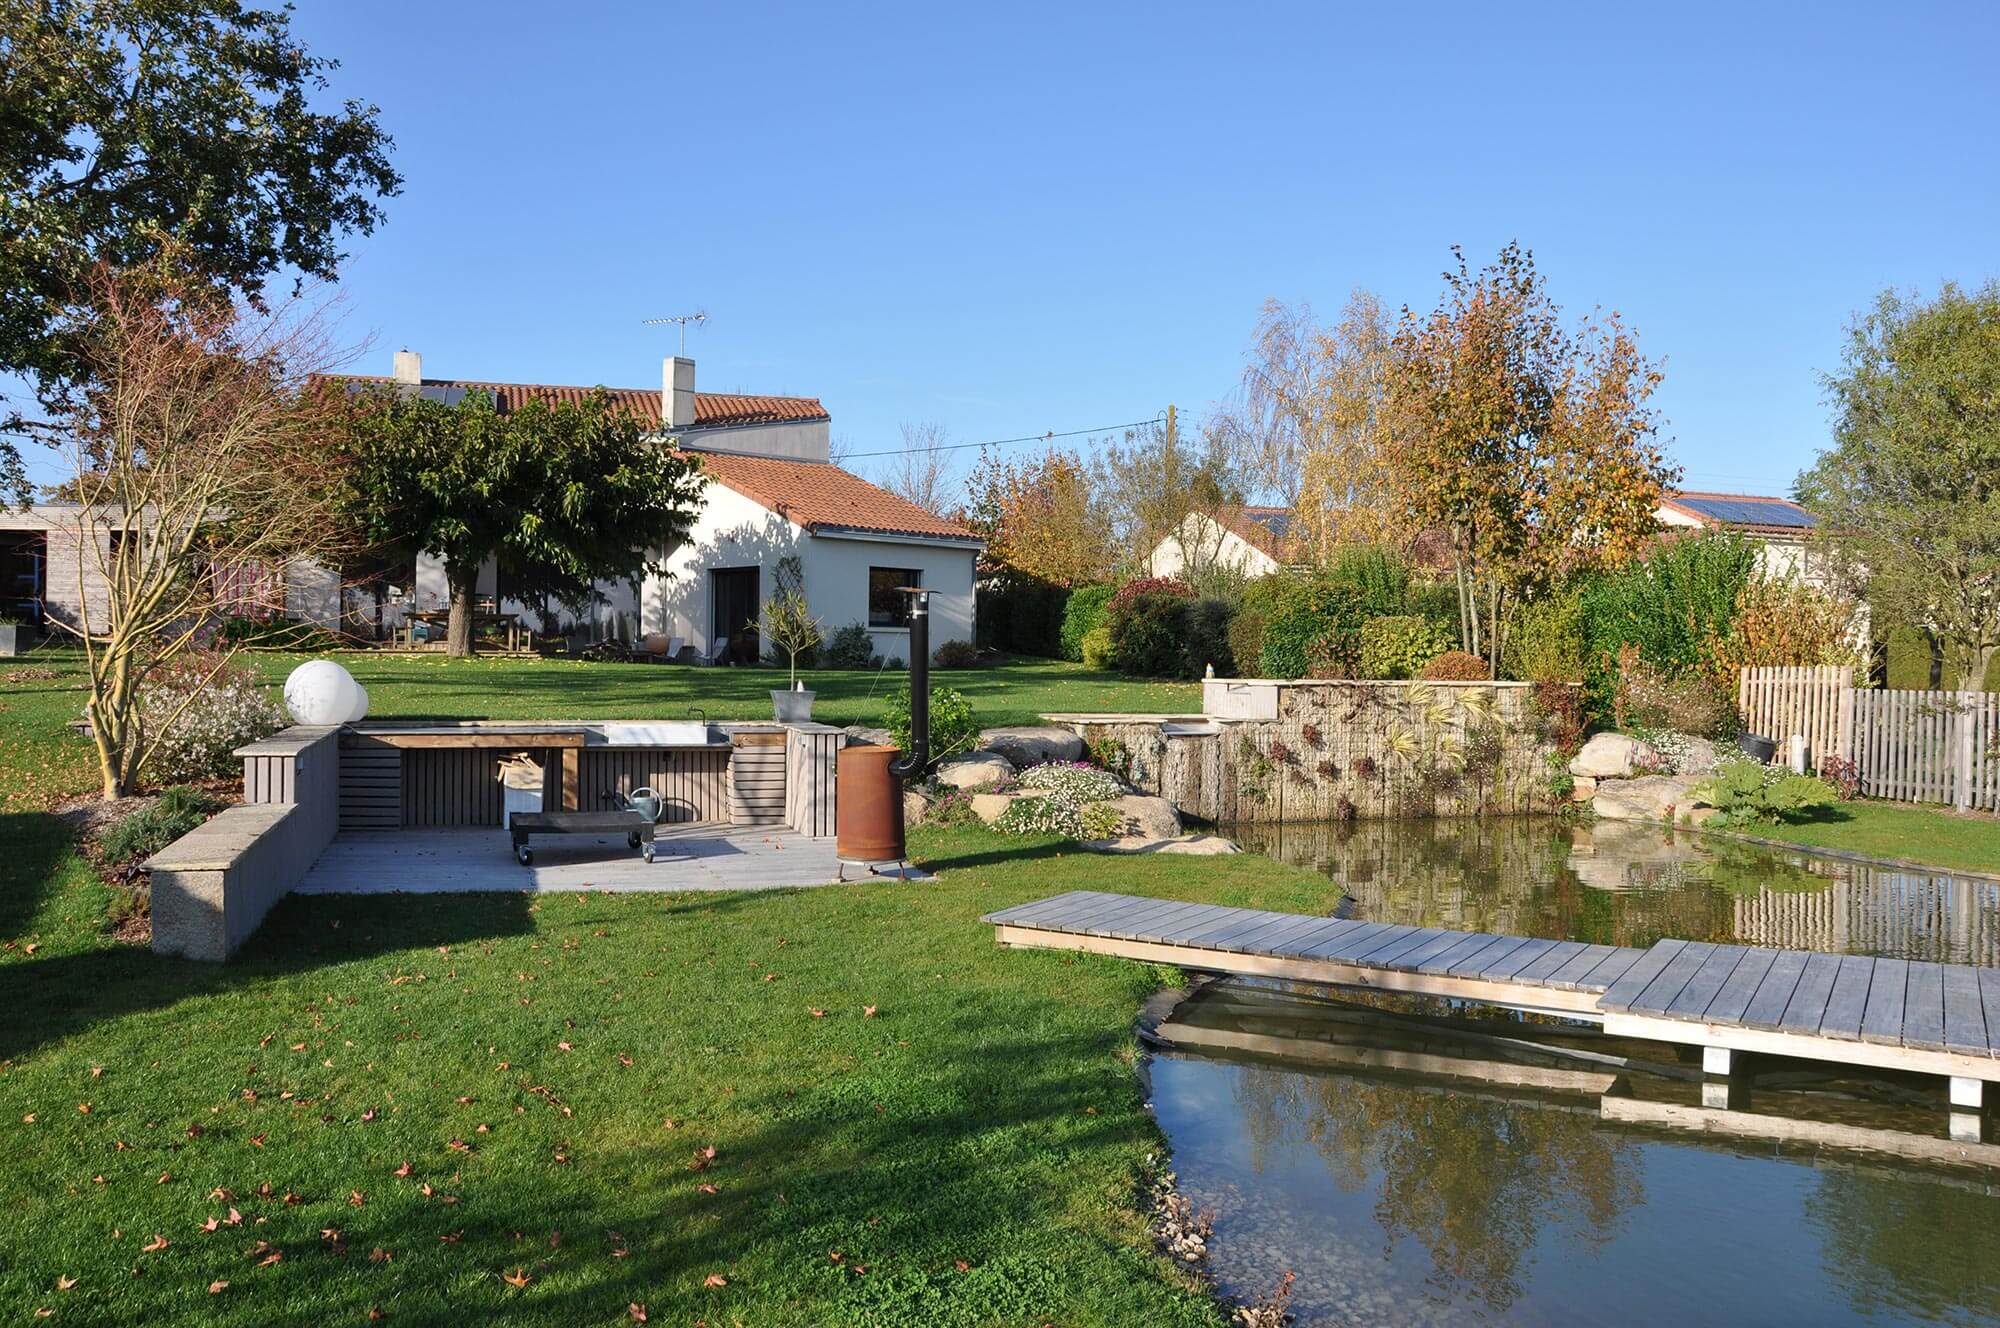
(15, 635)
(788, 624)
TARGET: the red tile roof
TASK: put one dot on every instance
(1267, 529)
(712, 410)
(825, 499)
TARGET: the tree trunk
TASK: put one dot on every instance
(464, 582)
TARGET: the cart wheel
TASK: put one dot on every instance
(649, 853)
(632, 840)
(524, 855)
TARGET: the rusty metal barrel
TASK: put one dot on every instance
(868, 806)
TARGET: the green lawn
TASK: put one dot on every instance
(553, 1071)
(1929, 835)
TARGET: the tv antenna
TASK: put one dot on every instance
(698, 317)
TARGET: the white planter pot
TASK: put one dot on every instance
(792, 707)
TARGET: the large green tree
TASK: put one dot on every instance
(1908, 496)
(559, 495)
(125, 122)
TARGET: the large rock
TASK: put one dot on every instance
(1694, 756)
(1183, 845)
(1033, 744)
(990, 807)
(916, 806)
(1613, 756)
(1143, 817)
(976, 770)
(870, 737)
(1651, 798)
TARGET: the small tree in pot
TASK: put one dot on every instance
(788, 624)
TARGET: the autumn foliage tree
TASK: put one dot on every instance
(196, 441)
(1040, 519)
(1530, 445)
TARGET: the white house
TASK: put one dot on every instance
(771, 493)
(1780, 528)
(1255, 541)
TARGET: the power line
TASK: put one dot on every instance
(1004, 442)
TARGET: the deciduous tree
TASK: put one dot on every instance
(1908, 496)
(559, 495)
(922, 470)
(130, 121)
(1040, 519)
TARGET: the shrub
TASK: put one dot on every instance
(1399, 645)
(849, 648)
(1122, 598)
(1334, 654)
(1149, 634)
(1456, 666)
(1317, 631)
(1548, 640)
(1378, 578)
(1021, 614)
(1053, 816)
(1744, 791)
(1246, 639)
(1083, 612)
(1097, 647)
(1844, 775)
(1072, 781)
(1207, 642)
(1671, 607)
(1650, 697)
(955, 655)
(178, 810)
(1560, 719)
(1781, 622)
(953, 727)
(276, 634)
(197, 710)
(1910, 660)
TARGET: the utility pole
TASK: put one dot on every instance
(1172, 432)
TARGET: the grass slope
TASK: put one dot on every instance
(554, 1070)
(1929, 835)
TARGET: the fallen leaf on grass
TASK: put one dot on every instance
(709, 1187)
(65, 1283)
(452, 1238)
(356, 1198)
(520, 1277)
(218, 1286)
(715, 1280)
(401, 1171)
(867, 1012)
(155, 1245)
(818, 1013)
(637, 1311)
(379, 1255)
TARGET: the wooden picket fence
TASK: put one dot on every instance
(1912, 746)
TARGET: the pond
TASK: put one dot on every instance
(1409, 1164)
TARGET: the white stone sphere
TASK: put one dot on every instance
(320, 691)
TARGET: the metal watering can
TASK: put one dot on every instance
(646, 802)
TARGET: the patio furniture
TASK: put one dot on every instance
(637, 827)
(431, 624)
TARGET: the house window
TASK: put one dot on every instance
(888, 606)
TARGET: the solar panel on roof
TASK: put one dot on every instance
(1278, 523)
(1748, 512)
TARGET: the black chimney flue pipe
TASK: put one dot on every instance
(914, 762)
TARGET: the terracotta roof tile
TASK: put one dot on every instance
(712, 410)
(824, 498)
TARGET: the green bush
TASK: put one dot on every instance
(275, 634)
(1097, 647)
(1021, 615)
(1208, 641)
(849, 648)
(954, 730)
(1745, 791)
(1647, 696)
(1379, 579)
(1246, 640)
(1670, 607)
(1548, 640)
(1081, 614)
(144, 833)
(1398, 645)
(955, 655)
(1149, 635)
(1456, 666)
(1317, 632)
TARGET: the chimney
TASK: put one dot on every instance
(409, 368)
(677, 394)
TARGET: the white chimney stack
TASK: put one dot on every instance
(409, 368)
(677, 394)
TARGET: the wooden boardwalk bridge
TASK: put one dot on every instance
(1890, 1014)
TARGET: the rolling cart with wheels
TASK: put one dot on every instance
(638, 829)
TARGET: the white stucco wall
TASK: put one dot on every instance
(734, 531)
(1214, 544)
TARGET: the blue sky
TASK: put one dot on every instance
(1016, 219)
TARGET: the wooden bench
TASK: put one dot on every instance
(638, 829)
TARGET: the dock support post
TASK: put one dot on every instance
(1716, 1061)
(1968, 1097)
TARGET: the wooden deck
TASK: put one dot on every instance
(1892, 1014)
(709, 857)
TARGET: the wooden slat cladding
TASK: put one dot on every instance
(757, 779)
(453, 787)
(693, 784)
(810, 763)
(371, 785)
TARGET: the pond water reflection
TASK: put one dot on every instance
(1401, 1195)
(1622, 883)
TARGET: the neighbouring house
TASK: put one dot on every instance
(1254, 541)
(1781, 529)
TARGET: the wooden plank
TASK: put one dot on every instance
(1474, 965)
(1233, 923)
(1520, 959)
(1442, 961)
(1181, 928)
(1386, 954)
(1807, 1005)
(1086, 917)
(1160, 923)
(1732, 1002)
(1284, 939)
(1321, 930)
(1550, 961)
(1351, 942)
(1619, 995)
(1923, 1007)
(1621, 960)
(1693, 1002)
(1033, 908)
(1882, 1016)
(1668, 983)
(1989, 998)
(1964, 1018)
(1410, 959)
(1136, 918)
(448, 741)
(1254, 938)
(1848, 1004)
(1571, 974)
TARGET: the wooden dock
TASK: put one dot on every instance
(1890, 1014)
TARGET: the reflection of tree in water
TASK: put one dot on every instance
(1517, 875)
(1905, 1249)
(1474, 1180)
